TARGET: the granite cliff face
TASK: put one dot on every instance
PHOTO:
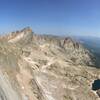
(43, 67)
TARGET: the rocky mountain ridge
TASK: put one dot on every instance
(43, 67)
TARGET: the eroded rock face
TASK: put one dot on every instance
(73, 50)
(7, 91)
(77, 53)
(22, 37)
(39, 67)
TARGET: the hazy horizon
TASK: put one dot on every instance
(59, 17)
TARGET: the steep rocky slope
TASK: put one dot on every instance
(43, 67)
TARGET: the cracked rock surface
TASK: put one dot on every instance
(43, 67)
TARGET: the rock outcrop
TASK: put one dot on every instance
(22, 37)
(77, 53)
(43, 67)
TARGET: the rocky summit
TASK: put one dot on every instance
(46, 67)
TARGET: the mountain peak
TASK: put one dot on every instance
(71, 42)
(23, 36)
(26, 29)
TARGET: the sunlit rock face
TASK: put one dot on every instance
(77, 53)
(45, 67)
(22, 37)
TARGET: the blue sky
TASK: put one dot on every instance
(75, 17)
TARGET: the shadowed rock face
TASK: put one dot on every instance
(72, 43)
(44, 67)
